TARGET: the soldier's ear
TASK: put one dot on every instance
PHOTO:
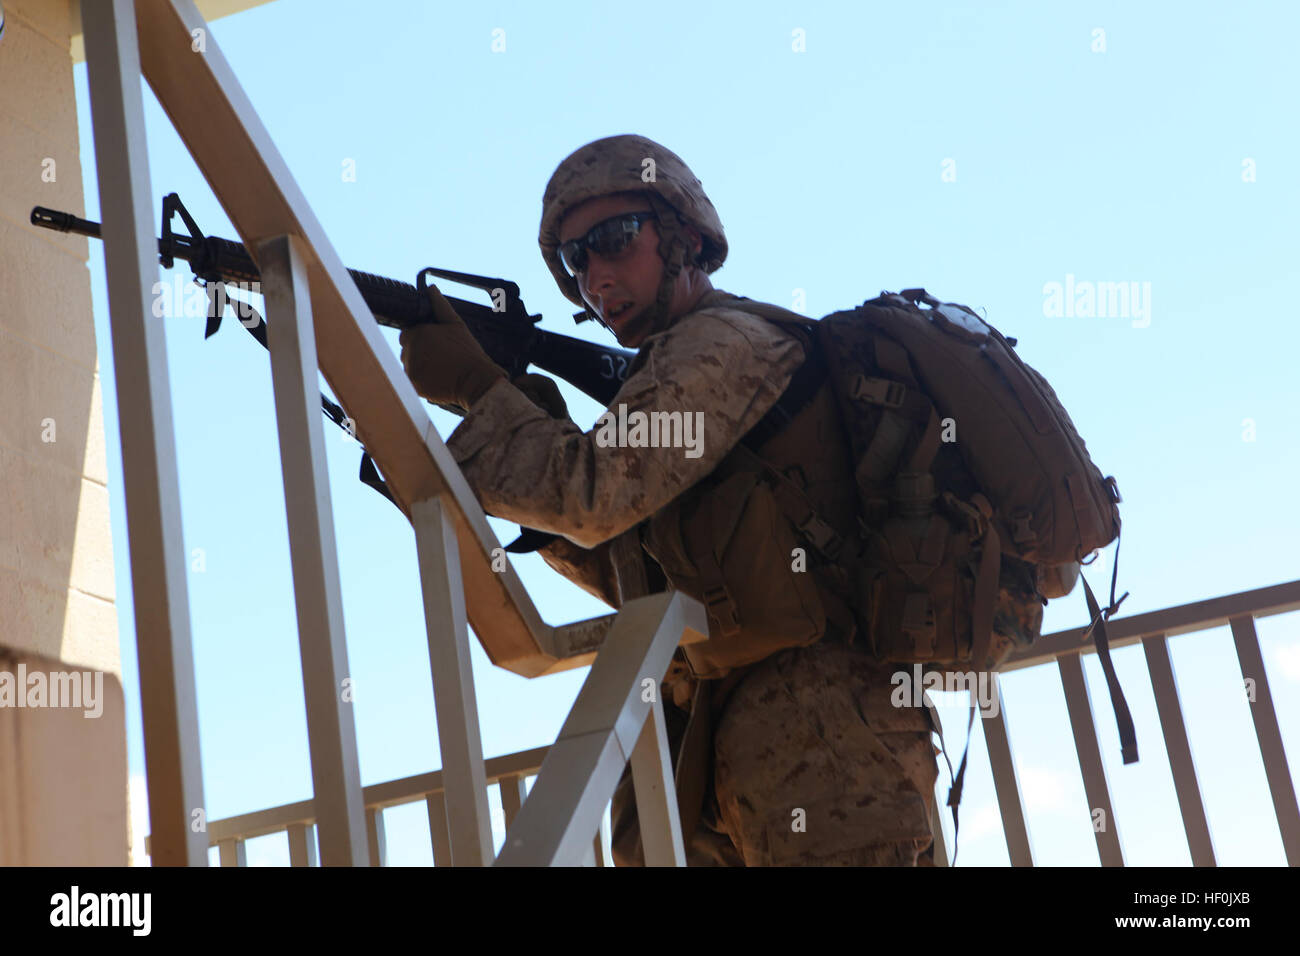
(696, 241)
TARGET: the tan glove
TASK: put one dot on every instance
(444, 361)
(544, 393)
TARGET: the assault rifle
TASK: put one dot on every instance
(506, 330)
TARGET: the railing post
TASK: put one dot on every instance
(997, 738)
(1163, 683)
(232, 853)
(656, 793)
(153, 509)
(302, 845)
(578, 777)
(1269, 735)
(652, 773)
(436, 805)
(375, 836)
(464, 780)
(331, 728)
(513, 793)
(1090, 763)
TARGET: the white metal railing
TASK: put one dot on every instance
(297, 820)
(1153, 630)
(317, 319)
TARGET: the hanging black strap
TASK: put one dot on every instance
(954, 793)
(370, 476)
(1099, 616)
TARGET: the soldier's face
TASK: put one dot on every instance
(630, 279)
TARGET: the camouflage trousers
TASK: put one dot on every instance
(810, 765)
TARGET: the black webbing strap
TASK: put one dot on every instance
(1127, 735)
(803, 385)
(954, 794)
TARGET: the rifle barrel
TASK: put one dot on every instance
(64, 222)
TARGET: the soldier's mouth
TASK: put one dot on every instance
(618, 310)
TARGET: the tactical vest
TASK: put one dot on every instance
(729, 542)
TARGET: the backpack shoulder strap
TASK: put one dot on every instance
(807, 379)
(803, 387)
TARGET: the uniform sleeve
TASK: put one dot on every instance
(704, 383)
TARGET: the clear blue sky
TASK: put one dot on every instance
(827, 168)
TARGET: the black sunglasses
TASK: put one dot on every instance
(607, 239)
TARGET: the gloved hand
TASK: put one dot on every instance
(544, 393)
(444, 361)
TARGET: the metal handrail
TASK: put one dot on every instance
(1153, 631)
(1150, 627)
(505, 770)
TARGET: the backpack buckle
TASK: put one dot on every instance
(722, 609)
(1022, 532)
(879, 391)
(821, 535)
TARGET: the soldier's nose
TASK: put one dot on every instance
(601, 288)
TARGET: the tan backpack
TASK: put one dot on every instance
(965, 462)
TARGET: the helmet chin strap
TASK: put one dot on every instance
(673, 250)
(656, 318)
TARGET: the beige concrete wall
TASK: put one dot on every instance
(56, 554)
(63, 771)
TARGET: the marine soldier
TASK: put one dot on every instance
(786, 749)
